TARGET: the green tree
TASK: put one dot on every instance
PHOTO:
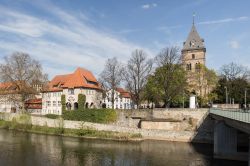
(63, 102)
(204, 81)
(81, 101)
(168, 83)
(234, 79)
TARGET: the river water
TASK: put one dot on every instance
(25, 149)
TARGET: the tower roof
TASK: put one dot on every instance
(194, 41)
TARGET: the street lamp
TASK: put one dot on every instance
(226, 95)
(245, 97)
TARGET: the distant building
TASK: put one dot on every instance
(34, 106)
(81, 81)
(122, 99)
(10, 97)
(193, 57)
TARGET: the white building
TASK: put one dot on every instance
(81, 81)
(122, 99)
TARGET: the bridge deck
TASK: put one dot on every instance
(239, 115)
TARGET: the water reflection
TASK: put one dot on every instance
(18, 148)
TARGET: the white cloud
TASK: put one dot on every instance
(234, 44)
(226, 20)
(148, 6)
(70, 43)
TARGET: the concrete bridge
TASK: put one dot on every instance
(231, 134)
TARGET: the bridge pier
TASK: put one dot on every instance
(225, 140)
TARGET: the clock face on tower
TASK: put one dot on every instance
(192, 43)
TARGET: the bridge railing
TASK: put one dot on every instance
(240, 115)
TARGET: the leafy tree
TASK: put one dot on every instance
(234, 79)
(81, 101)
(203, 80)
(168, 82)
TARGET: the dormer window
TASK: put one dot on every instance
(70, 91)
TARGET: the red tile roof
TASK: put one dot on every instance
(123, 92)
(33, 104)
(81, 78)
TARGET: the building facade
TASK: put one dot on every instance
(81, 81)
(122, 99)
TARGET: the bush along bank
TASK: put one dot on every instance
(23, 123)
(91, 115)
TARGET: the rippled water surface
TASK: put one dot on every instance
(19, 148)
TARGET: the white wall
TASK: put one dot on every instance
(51, 101)
(119, 103)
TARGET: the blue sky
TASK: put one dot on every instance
(66, 34)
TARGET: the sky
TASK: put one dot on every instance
(65, 34)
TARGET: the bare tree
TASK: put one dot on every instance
(137, 72)
(232, 71)
(111, 77)
(169, 55)
(22, 74)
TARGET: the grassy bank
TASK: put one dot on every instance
(21, 125)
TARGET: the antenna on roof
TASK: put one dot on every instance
(193, 17)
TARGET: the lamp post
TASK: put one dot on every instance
(226, 95)
(245, 97)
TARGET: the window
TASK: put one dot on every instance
(193, 56)
(48, 103)
(48, 94)
(54, 103)
(54, 94)
(70, 91)
(189, 66)
(59, 103)
(197, 67)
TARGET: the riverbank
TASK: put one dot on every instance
(60, 131)
(113, 131)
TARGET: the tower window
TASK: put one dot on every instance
(197, 67)
(189, 67)
(193, 56)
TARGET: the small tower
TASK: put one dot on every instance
(193, 57)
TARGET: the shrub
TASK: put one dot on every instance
(52, 116)
(81, 101)
(91, 115)
(63, 103)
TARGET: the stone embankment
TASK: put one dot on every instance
(173, 124)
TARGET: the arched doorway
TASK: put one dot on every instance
(75, 106)
(68, 106)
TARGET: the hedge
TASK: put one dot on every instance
(91, 115)
(52, 116)
(63, 102)
(81, 101)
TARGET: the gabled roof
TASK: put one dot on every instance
(34, 104)
(81, 78)
(123, 92)
(194, 41)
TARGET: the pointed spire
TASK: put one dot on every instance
(194, 41)
(193, 17)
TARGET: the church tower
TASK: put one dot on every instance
(193, 52)
(193, 57)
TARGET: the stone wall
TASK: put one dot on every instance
(129, 121)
